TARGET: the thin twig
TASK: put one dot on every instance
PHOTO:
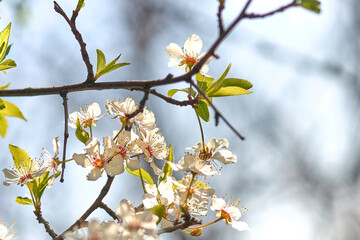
(41, 220)
(280, 9)
(108, 211)
(92, 208)
(217, 112)
(66, 133)
(78, 37)
(219, 15)
(173, 101)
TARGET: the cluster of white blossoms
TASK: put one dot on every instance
(135, 143)
(5, 232)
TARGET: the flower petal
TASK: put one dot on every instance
(240, 225)
(94, 174)
(193, 45)
(174, 50)
(225, 156)
(115, 166)
(173, 63)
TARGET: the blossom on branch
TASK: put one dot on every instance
(50, 162)
(23, 174)
(229, 212)
(188, 55)
(87, 116)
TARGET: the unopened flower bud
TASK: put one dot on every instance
(196, 232)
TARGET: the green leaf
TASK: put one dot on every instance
(199, 184)
(24, 200)
(229, 91)
(20, 157)
(101, 61)
(80, 5)
(3, 125)
(110, 68)
(7, 64)
(4, 39)
(145, 175)
(158, 210)
(167, 168)
(216, 85)
(311, 5)
(203, 111)
(203, 82)
(80, 133)
(4, 87)
(236, 82)
(11, 110)
(7, 50)
(2, 104)
(172, 92)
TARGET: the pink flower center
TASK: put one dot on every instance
(150, 150)
(88, 122)
(122, 151)
(98, 163)
(25, 177)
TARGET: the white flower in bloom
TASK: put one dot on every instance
(192, 163)
(112, 163)
(23, 174)
(51, 162)
(107, 230)
(87, 116)
(210, 151)
(5, 232)
(152, 144)
(189, 55)
(163, 195)
(198, 191)
(229, 212)
(135, 226)
(145, 119)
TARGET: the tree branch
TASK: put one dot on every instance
(92, 208)
(108, 211)
(280, 9)
(66, 133)
(41, 220)
(78, 37)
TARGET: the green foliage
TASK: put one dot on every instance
(20, 157)
(171, 92)
(167, 168)
(215, 86)
(311, 5)
(158, 210)
(24, 200)
(202, 110)
(37, 187)
(103, 68)
(145, 175)
(80, 5)
(203, 82)
(5, 49)
(80, 132)
(10, 110)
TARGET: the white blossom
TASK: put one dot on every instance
(5, 233)
(164, 194)
(189, 55)
(24, 173)
(87, 116)
(50, 162)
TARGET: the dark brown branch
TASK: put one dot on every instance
(219, 16)
(41, 220)
(78, 37)
(173, 101)
(217, 112)
(108, 211)
(280, 9)
(66, 133)
(92, 208)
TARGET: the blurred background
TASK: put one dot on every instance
(298, 169)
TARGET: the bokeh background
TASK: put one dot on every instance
(298, 169)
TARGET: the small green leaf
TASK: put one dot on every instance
(203, 111)
(216, 85)
(236, 82)
(80, 133)
(101, 61)
(145, 175)
(203, 82)
(172, 92)
(3, 125)
(229, 91)
(167, 168)
(11, 110)
(80, 5)
(7, 64)
(24, 200)
(158, 210)
(2, 103)
(20, 157)
(4, 39)
(110, 68)
(4, 87)
(311, 5)
(7, 50)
